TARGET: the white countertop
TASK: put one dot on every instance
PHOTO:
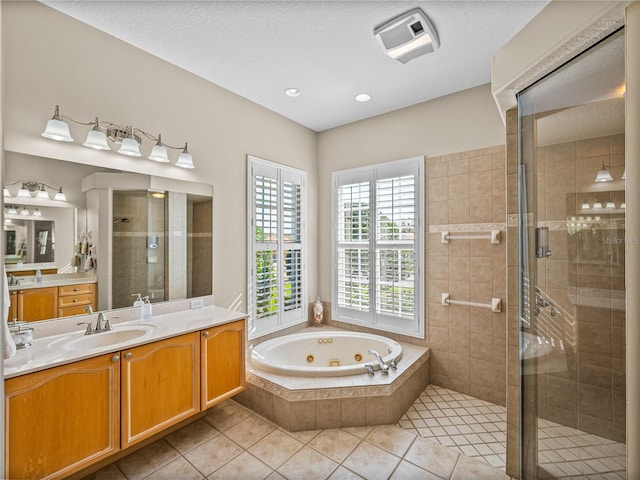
(56, 280)
(47, 352)
(25, 267)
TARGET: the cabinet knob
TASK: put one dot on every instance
(128, 355)
(206, 334)
(115, 358)
(75, 300)
(76, 289)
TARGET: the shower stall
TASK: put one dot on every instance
(570, 226)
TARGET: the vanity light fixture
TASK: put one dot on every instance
(159, 152)
(37, 213)
(42, 193)
(12, 210)
(585, 206)
(129, 138)
(96, 138)
(23, 192)
(604, 175)
(24, 212)
(597, 206)
(31, 189)
(184, 159)
(60, 196)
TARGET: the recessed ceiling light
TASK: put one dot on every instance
(292, 92)
(363, 97)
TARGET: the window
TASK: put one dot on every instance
(378, 246)
(276, 264)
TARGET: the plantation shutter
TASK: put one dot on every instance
(378, 245)
(276, 267)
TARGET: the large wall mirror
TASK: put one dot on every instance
(136, 233)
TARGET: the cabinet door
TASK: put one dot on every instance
(37, 303)
(13, 308)
(63, 419)
(223, 357)
(160, 386)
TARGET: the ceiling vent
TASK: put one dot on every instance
(407, 36)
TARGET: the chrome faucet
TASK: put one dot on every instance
(88, 309)
(384, 368)
(102, 325)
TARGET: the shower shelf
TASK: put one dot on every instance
(493, 235)
(495, 305)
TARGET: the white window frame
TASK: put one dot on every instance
(283, 318)
(414, 327)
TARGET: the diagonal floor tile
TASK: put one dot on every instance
(335, 444)
(307, 463)
(244, 467)
(371, 462)
(275, 448)
(147, 460)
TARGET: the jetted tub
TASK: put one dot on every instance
(323, 353)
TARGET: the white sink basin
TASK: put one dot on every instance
(113, 338)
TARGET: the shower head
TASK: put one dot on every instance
(121, 220)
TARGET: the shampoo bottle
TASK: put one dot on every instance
(146, 309)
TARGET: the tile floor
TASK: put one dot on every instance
(466, 424)
(231, 442)
(443, 435)
(478, 429)
(565, 452)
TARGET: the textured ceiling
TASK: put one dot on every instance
(257, 49)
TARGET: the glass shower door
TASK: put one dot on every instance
(571, 268)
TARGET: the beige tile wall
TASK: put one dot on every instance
(466, 193)
(130, 247)
(581, 384)
(584, 279)
(200, 253)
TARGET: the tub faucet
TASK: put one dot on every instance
(384, 368)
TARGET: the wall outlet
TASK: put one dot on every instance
(197, 303)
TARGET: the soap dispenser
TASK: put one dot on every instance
(146, 309)
(138, 302)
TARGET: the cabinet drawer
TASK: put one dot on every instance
(71, 311)
(72, 300)
(79, 289)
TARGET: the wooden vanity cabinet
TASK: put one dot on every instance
(61, 420)
(223, 359)
(37, 303)
(64, 419)
(43, 303)
(73, 299)
(160, 386)
(13, 308)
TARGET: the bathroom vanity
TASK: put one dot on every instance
(58, 295)
(72, 400)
